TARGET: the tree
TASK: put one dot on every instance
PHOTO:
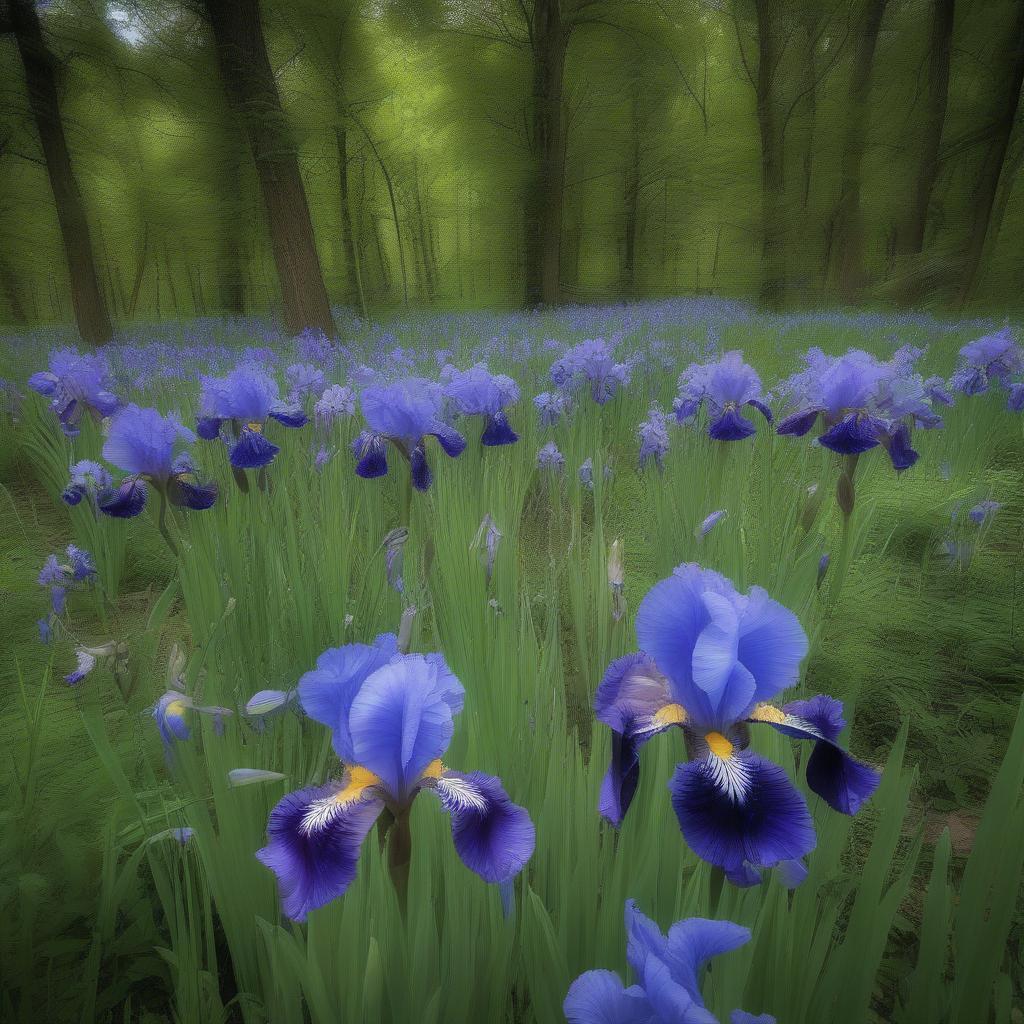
(40, 67)
(252, 93)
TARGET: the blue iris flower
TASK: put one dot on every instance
(171, 714)
(862, 403)
(667, 969)
(478, 392)
(244, 400)
(391, 718)
(993, 358)
(710, 660)
(147, 446)
(88, 479)
(76, 384)
(591, 362)
(726, 386)
(404, 413)
(550, 406)
(653, 434)
(60, 577)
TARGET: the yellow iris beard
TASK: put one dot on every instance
(256, 428)
(434, 770)
(359, 780)
(767, 713)
(719, 745)
(176, 708)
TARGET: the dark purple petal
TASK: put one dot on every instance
(756, 817)
(798, 423)
(421, 475)
(289, 414)
(497, 431)
(191, 495)
(453, 443)
(124, 501)
(372, 458)
(897, 444)
(762, 409)
(44, 382)
(731, 426)
(208, 427)
(493, 836)
(72, 494)
(853, 434)
(252, 450)
(314, 850)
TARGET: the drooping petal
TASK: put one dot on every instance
(252, 450)
(897, 444)
(421, 475)
(208, 427)
(693, 942)
(195, 496)
(842, 781)
(762, 408)
(740, 809)
(289, 414)
(798, 423)
(598, 997)
(399, 723)
(634, 700)
(853, 434)
(124, 501)
(494, 837)
(497, 431)
(371, 456)
(731, 425)
(315, 837)
(326, 693)
(452, 442)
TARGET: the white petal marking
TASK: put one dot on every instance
(460, 794)
(729, 774)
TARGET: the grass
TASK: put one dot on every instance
(898, 920)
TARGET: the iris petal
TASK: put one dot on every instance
(731, 426)
(493, 836)
(421, 475)
(124, 501)
(772, 643)
(763, 820)
(598, 997)
(369, 450)
(252, 450)
(497, 431)
(314, 848)
(853, 434)
(798, 423)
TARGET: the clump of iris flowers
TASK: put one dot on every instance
(78, 572)
(726, 386)
(861, 403)
(667, 969)
(478, 392)
(591, 362)
(237, 407)
(710, 660)
(992, 359)
(76, 384)
(403, 414)
(88, 480)
(148, 447)
(391, 718)
(550, 406)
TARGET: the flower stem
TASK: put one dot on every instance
(161, 522)
(400, 857)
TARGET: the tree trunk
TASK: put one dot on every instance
(849, 216)
(230, 269)
(251, 90)
(773, 223)
(1004, 113)
(40, 77)
(910, 240)
(9, 286)
(543, 202)
(632, 196)
(353, 274)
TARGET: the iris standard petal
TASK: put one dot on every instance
(493, 836)
(326, 693)
(771, 645)
(399, 723)
(252, 450)
(124, 501)
(315, 837)
(762, 408)
(740, 809)
(693, 942)
(598, 997)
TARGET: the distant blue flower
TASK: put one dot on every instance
(653, 434)
(147, 446)
(111, 654)
(936, 390)
(550, 405)
(823, 564)
(983, 511)
(861, 402)
(710, 660)
(549, 457)
(726, 386)
(1015, 397)
(667, 970)
(478, 392)
(76, 384)
(710, 522)
(337, 402)
(304, 380)
(243, 401)
(391, 718)
(403, 414)
(77, 571)
(171, 713)
(313, 346)
(993, 358)
(591, 362)
(88, 479)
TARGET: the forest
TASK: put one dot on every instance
(161, 159)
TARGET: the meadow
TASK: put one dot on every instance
(152, 717)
